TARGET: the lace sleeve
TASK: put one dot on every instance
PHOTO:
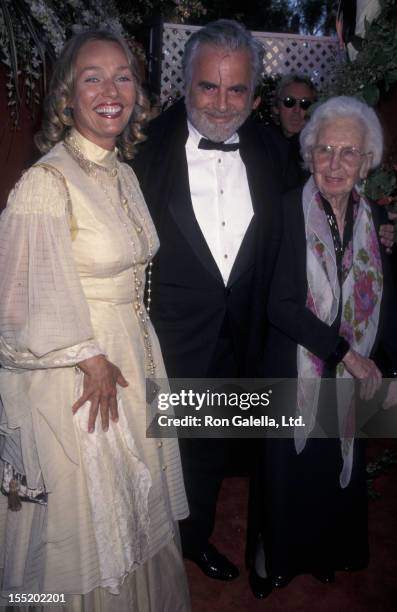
(44, 317)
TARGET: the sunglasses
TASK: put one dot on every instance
(290, 102)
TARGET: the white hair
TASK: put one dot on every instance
(223, 34)
(345, 107)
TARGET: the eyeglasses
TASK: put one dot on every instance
(351, 156)
(290, 102)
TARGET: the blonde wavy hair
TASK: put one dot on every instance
(58, 117)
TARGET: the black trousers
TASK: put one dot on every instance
(206, 462)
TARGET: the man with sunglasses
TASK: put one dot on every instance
(293, 97)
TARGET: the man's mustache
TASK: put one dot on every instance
(220, 114)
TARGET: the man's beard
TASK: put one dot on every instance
(216, 132)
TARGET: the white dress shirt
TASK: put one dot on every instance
(221, 198)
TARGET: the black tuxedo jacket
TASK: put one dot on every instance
(191, 308)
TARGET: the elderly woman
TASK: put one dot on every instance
(89, 503)
(331, 308)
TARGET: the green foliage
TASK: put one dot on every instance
(315, 17)
(266, 91)
(179, 11)
(33, 32)
(383, 183)
(370, 75)
(263, 15)
(374, 69)
(287, 16)
(378, 468)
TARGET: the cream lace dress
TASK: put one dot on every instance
(75, 240)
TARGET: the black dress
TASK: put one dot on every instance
(306, 521)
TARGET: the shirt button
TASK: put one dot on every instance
(159, 444)
(222, 191)
(219, 161)
(225, 256)
(164, 468)
(223, 224)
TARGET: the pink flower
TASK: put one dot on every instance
(364, 296)
(319, 247)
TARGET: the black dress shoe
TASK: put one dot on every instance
(279, 582)
(324, 576)
(260, 587)
(213, 564)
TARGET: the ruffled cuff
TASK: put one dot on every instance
(70, 356)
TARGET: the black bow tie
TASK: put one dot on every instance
(210, 145)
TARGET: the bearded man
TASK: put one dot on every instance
(213, 189)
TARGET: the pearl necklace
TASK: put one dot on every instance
(94, 171)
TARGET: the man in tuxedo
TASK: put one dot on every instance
(213, 189)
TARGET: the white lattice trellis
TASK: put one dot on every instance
(315, 56)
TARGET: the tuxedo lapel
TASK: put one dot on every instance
(246, 254)
(181, 208)
(257, 163)
(264, 179)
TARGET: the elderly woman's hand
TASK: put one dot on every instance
(366, 371)
(100, 380)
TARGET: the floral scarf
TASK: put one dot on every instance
(362, 284)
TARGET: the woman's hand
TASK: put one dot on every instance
(100, 380)
(366, 371)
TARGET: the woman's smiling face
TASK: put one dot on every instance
(104, 92)
(335, 173)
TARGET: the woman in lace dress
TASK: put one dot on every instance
(89, 505)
